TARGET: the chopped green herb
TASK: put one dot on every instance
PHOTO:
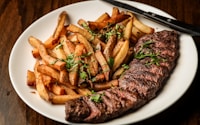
(85, 26)
(70, 62)
(155, 59)
(86, 54)
(125, 66)
(96, 97)
(111, 62)
(83, 75)
(147, 43)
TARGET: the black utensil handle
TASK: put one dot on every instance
(175, 24)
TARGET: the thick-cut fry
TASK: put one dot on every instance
(129, 55)
(104, 65)
(40, 87)
(35, 53)
(113, 20)
(89, 49)
(117, 48)
(93, 39)
(48, 81)
(64, 77)
(34, 42)
(109, 47)
(51, 42)
(30, 78)
(48, 71)
(118, 73)
(69, 91)
(68, 46)
(99, 78)
(121, 55)
(60, 25)
(73, 75)
(141, 26)
(55, 63)
(83, 91)
(115, 12)
(61, 99)
(58, 50)
(107, 85)
(57, 89)
(103, 17)
(128, 29)
(137, 33)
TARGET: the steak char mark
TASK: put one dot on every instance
(138, 85)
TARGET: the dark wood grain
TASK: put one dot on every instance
(17, 15)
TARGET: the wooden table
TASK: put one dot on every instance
(17, 15)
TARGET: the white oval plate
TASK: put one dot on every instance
(21, 60)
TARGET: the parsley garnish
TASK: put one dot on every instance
(96, 97)
(125, 66)
(155, 59)
(70, 62)
(111, 62)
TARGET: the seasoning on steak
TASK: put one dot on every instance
(155, 58)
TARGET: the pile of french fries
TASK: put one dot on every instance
(89, 56)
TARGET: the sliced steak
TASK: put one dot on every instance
(155, 58)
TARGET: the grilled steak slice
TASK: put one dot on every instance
(77, 110)
(155, 58)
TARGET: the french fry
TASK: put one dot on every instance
(83, 91)
(137, 33)
(104, 86)
(104, 65)
(61, 21)
(99, 78)
(58, 50)
(73, 75)
(128, 29)
(69, 91)
(61, 99)
(55, 63)
(109, 47)
(47, 81)
(93, 39)
(51, 42)
(34, 42)
(73, 38)
(48, 71)
(103, 17)
(113, 20)
(141, 26)
(30, 78)
(35, 53)
(115, 12)
(121, 55)
(117, 48)
(64, 77)
(40, 87)
(68, 46)
(118, 73)
(89, 49)
(57, 89)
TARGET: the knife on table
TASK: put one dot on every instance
(174, 24)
